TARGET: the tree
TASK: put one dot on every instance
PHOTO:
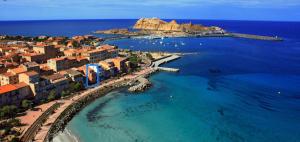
(27, 104)
(134, 60)
(8, 111)
(74, 87)
(15, 122)
(78, 86)
(65, 93)
(52, 95)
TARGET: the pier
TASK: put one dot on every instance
(164, 60)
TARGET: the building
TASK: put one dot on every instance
(101, 53)
(94, 56)
(46, 84)
(11, 76)
(17, 70)
(92, 75)
(29, 77)
(109, 68)
(58, 81)
(63, 63)
(34, 57)
(31, 66)
(5, 50)
(14, 93)
(112, 50)
(120, 63)
(58, 64)
(48, 50)
(8, 78)
(75, 75)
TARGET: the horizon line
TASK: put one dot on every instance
(148, 17)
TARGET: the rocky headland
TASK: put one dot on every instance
(156, 24)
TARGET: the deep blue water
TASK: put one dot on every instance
(254, 98)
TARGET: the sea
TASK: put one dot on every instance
(227, 90)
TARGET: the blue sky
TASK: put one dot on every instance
(273, 10)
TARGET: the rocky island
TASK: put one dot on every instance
(157, 28)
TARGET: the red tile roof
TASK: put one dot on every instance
(17, 70)
(10, 87)
(8, 74)
(31, 73)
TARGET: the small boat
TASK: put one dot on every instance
(161, 42)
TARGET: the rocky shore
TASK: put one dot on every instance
(141, 85)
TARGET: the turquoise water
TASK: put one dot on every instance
(233, 90)
(253, 98)
(181, 108)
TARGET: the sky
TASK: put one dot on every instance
(267, 10)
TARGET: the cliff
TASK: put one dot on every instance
(156, 24)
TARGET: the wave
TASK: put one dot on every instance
(66, 136)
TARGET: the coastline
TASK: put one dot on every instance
(59, 119)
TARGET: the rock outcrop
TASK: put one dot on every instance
(142, 85)
(156, 24)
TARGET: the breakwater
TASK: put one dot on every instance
(257, 37)
(168, 69)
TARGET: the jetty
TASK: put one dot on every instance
(164, 60)
(168, 69)
(257, 37)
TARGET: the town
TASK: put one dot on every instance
(38, 70)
